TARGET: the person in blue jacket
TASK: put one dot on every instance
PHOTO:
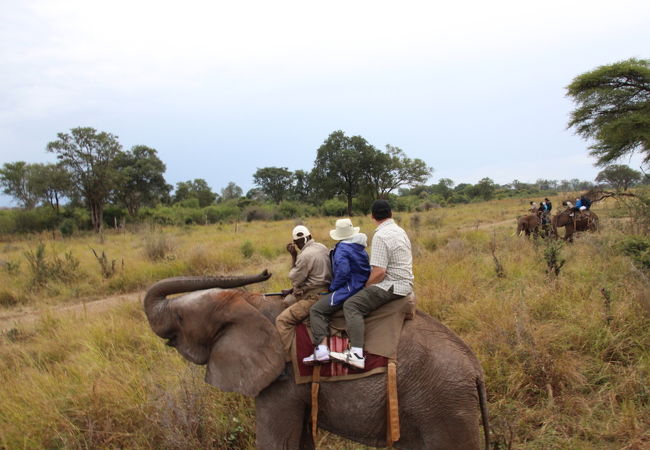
(350, 271)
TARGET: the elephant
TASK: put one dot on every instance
(580, 221)
(529, 224)
(440, 382)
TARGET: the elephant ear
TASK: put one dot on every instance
(247, 355)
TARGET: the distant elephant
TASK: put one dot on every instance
(573, 221)
(528, 224)
(440, 382)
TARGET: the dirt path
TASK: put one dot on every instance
(20, 319)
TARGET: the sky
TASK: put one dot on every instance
(476, 89)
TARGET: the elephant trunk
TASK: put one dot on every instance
(156, 302)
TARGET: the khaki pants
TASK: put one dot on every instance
(288, 319)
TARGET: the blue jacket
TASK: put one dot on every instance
(350, 271)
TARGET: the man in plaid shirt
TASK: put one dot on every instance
(391, 278)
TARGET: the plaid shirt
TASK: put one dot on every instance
(391, 250)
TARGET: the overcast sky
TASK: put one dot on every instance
(219, 89)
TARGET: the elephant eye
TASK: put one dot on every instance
(179, 318)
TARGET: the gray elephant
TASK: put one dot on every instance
(529, 225)
(439, 380)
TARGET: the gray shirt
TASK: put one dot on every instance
(391, 250)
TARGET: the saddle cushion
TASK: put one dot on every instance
(382, 330)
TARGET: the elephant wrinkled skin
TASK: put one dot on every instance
(440, 382)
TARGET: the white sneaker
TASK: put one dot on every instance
(347, 357)
(317, 358)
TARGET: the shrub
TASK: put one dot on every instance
(334, 207)
(108, 269)
(67, 227)
(64, 269)
(9, 298)
(114, 216)
(638, 248)
(157, 246)
(247, 249)
(35, 220)
(257, 213)
(221, 213)
(553, 257)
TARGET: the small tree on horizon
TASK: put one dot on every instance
(620, 177)
(89, 157)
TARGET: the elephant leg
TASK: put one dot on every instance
(282, 418)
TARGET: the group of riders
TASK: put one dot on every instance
(575, 213)
(543, 210)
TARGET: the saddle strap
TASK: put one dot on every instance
(315, 385)
(392, 407)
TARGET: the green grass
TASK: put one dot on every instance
(566, 358)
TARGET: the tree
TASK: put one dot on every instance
(275, 182)
(231, 191)
(51, 183)
(387, 171)
(302, 189)
(141, 178)
(485, 189)
(614, 109)
(340, 166)
(619, 176)
(17, 180)
(443, 188)
(89, 157)
(198, 189)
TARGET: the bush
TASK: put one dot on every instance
(638, 248)
(114, 216)
(221, 213)
(79, 216)
(257, 213)
(247, 249)
(7, 224)
(65, 269)
(157, 246)
(67, 227)
(290, 210)
(334, 207)
(35, 220)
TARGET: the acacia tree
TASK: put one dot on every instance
(340, 165)
(275, 182)
(141, 178)
(613, 109)
(387, 171)
(620, 177)
(198, 189)
(51, 183)
(89, 157)
(231, 191)
(17, 180)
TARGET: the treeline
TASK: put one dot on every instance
(97, 183)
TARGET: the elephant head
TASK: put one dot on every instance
(222, 328)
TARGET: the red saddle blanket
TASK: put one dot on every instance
(333, 371)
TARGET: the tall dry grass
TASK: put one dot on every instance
(566, 357)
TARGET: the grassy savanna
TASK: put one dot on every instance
(566, 358)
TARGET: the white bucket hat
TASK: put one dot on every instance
(343, 230)
(300, 231)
